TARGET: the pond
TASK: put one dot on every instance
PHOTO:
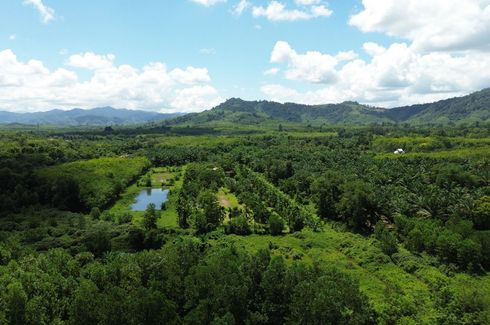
(150, 195)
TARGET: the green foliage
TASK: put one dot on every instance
(276, 224)
(239, 226)
(150, 217)
(357, 206)
(327, 190)
(95, 213)
(481, 213)
(387, 239)
(99, 181)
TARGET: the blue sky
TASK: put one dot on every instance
(188, 55)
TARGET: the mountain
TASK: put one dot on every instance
(467, 109)
(77, 116)
(471, 108)
(238, 111)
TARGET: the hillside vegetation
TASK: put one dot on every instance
(468, 109)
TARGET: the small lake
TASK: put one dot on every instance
(150, 195)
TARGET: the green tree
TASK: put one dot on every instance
(95, 213)
(387, 239)
(276, 224)
(481, 213)
(239, 226)
(16, 302)
(327, 190)
(357, 205)
(276, 292)
(84, 308)
(150, 217)
(211, 209)
(333, 298)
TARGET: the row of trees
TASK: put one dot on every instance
(267, 202)
(197, 205)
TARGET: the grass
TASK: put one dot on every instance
(227, 199)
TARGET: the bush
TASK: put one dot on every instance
(239, 226)
(276, 224)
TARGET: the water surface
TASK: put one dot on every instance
(150, 195)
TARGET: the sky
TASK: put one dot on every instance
(190, 55)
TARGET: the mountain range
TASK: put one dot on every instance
(467, 109)
(81, 117)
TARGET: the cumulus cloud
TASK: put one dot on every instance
(46, 13)
(31, 86)
(276, 11)
(202, 96)
(91, 61)
(391, 76)
(12, 37)
(208, 3)
(435, 25)
(190, 75)
(312, 66)
(445, 54)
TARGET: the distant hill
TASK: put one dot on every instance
(471, 108)
(89, 117)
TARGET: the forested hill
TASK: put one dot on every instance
(467, 109)
(77, 116)
(472, 108)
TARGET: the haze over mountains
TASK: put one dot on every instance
(467, 109)
(89, 117)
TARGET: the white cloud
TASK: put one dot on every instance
(91, 61)
(439, 25)
(47, 13)
(190, 75)
(276, 11)
(12, 37)
(392, 76)
(271, 72)
(208, 3)
(32, 86)
(202, 97)
(240, 7)
(312, 66)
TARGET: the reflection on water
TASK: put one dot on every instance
(150, 195)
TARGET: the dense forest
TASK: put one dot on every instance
(311, 225)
